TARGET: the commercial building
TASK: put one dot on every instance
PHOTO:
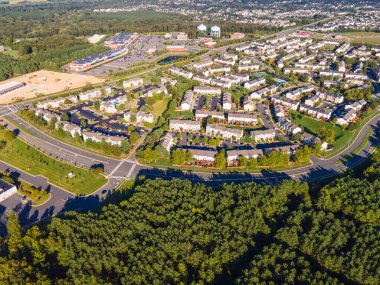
(120, 40)
(94, 60)
(10, 86)
(237, 36)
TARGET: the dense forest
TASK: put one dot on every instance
(176, 232)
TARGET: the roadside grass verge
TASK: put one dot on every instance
(357, 150)
(25, 157)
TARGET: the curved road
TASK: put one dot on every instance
(118, 170)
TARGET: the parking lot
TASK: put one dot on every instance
(139, 54)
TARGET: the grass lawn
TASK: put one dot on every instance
(343, 138)
(183, 115)
(160, 106)
(23, 156)
(363, 37)
(312, 126)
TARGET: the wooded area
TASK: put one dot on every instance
(174, 232)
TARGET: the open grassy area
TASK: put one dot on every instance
(23, 156)
(160, 106)
(312, 126)
(371, 38)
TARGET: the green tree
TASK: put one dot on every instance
(220, 159)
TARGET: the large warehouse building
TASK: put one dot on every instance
(120, 40)
(119, 47)
(10, 86)
(94, 60)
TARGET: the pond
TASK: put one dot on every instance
(170, 59)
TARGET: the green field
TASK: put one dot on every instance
(23, 156)
(160, 106)
(371, 38)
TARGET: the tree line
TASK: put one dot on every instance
(176, 232)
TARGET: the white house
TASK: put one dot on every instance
(132, 83)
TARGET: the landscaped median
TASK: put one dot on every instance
(25, 157)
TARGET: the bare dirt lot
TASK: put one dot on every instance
(45, 82)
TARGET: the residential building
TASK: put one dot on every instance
(233, 156)
(203, 156)
(242, 118)
(346, 118)
(108, 107)
(227, 101)
(167, 141)
(289, 149)
(288, 126)
(142, 117)
(292, 104)
(72, 129)
(187, 100)
(90, 95)
(206, 90)
(132, 83)
(226, 133)
(255, 83)
(248, 104)
(357, 106)
(262, 135)
(203, 114)
(315, 112)
(184, 125)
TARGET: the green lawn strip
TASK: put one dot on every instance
(17, 125)
(363, 143)
(27, 158)
(160, 106)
